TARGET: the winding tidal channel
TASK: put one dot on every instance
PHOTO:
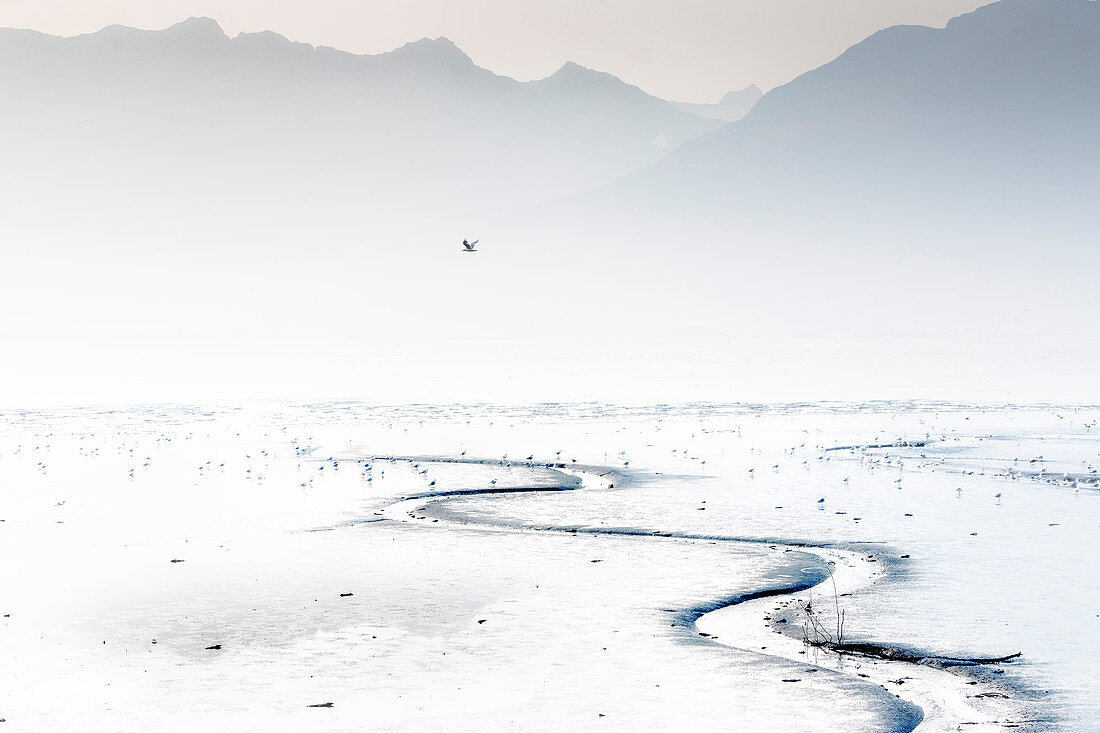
(935, 692)
(755, 568)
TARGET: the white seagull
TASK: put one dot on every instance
(470, 245)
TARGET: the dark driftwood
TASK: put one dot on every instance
(881, 651)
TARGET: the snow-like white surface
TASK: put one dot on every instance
(106, 633)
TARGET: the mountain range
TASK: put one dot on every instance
(926, 181)
(999, 110)
(420, 128)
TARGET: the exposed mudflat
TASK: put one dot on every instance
(338, 566)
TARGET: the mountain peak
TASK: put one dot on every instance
(197, 27)
(441, 49)
(573, 72)
(569, 68)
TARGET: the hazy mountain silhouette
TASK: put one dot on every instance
(731, 107)
(926, 182)
(419, 128)
(950, 175)
(1000, 107)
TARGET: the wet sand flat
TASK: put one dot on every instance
(184, 568)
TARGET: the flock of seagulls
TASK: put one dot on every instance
(139, 452)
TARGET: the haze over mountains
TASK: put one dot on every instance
(420, 127)
(731, 107)
(927, 180)
(187, 189)
(1004, 101)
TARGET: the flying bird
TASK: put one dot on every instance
(470, 245)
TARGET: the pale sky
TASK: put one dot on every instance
(685, 50)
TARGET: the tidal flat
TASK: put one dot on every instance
(340, 565)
